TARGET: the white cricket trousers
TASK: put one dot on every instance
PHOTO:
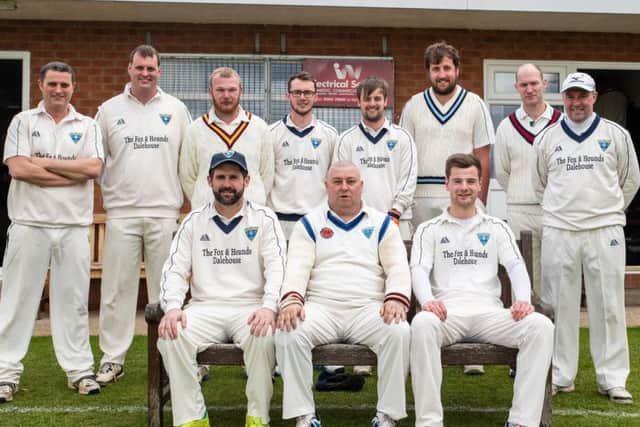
(599, 256)
(324, 324)
(124, 242)
(529, 217)
(532, 336)
(211, 323)
(30, 250)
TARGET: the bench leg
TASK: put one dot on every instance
(155, 374)
(545, 420)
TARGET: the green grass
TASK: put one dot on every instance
(44, 400)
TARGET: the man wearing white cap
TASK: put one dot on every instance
(586, 173)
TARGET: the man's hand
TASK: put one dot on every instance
(393, 311)
(437, 307)
(520, 310)
(168, 327)
(260, 321)
(288, 317)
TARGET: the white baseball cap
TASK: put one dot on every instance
(578, 81)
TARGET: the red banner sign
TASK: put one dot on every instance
(337, 78)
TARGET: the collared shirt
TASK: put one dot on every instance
(463, 256)
(34, 133)
(235, 260)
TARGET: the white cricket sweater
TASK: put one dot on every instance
(142, 145)
(34, 133)
(302, 158)
(208, 135)
(585, 181)
(238, 261)
(462, 125)
(514, 155)
(387, 164)
(350, 264)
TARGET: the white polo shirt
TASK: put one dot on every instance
(34, 133)
(142, 145)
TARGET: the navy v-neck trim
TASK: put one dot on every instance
(227, 228)
(294, 130)
(378, 137)
(444, 118)
(586, 134)
(346, 226)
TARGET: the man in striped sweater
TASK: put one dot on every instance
(513, 159)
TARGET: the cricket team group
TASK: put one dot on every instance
(295, 238)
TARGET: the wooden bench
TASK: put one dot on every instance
(338, 354)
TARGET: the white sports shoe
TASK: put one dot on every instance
(363, 370)
(85, 386)
(7, 390)
(309, 420)
(109, 373)
(473, 369)
(202, 373)
(617, 395)
(555, 389)
(382, 420)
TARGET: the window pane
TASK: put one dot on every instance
(500, 111)
(504, 81)
(553, 82)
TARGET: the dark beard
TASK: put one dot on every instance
(445, 91)
(237, 195)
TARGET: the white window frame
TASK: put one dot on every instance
(25, 57)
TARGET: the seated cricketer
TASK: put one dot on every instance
(454, 266)
(347, 280)
(231, 255)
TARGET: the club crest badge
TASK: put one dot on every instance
(251, 233)
(484, 238)
(315, 142)
(368, 231)
(604, 144)
(326, 233)
(75, 137)
(166, 118)
(391, 144)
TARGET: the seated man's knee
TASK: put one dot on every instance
(399, 332)
(425, 322)
(286, 339)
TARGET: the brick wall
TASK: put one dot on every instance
(99, 50)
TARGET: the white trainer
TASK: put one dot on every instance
(109, 373)
(555, 389)
(473, 369)
(382, 420)
(85, 386)
(7, 390)
(617, 395)
(309, 420)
